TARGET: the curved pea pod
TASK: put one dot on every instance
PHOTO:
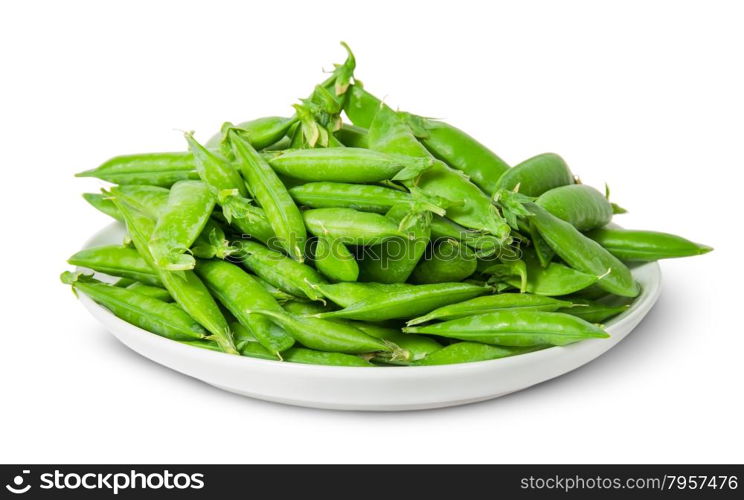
(517, 328)
(281, 212)
(637, 245)
(554, 280)
(417, 346)
(491, 303)
(325, 335)
(156, 169)
(582, 206)
(347, 293)
(334, 260)
(407, 303)
(251, 221)
(212, 243)
(239, 292)
(156, 292)
(361, 106)
(312, 357)
(584, 254)
(362, 197)
(189, 207)
(261, 132)
(470, 207)
(468, 352)
(483, 244)
(281, 271)
(346, 165)
(116, 260)
(593, 311)
(187, 290)
(352, 136)
(537, 175)
(449, 261)
(101, 203)
(394, 259)
(506, 271)
(151, 200)
(460, 151)
(215, 171)
(279, 295)
(156, 316)
(350, 226)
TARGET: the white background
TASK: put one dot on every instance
(647, 96)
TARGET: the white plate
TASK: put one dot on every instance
(372, 389)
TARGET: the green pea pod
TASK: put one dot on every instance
(582, 206)
(491, 303)
(261, 132)
(212, 243)
(460, 151)
(554, 280)
(408, 302)
(352, 136)
(449, 261)
(418, 346)
(636, 245)
(116, 260)
(537, 175)
(240, 292)
(189, 207)
(312, 357)
(470, 207)
(149, 313)
(156, 169)
(394, 260)
(251, 221)
(584, 254)
(468, 352)
(483, 244)
(361, 197)
(281, 212)
(151, 200)
(214, 171)
(282, 272)
(279, 295)
(334, 260)
(517, 328)
(513, 272)
(327, 335)
(361, 106)
(202, 344)
(348, 293)
(101, 203)
(346, 165)
(593, 311)
(155, 292)
(185, 287)
(350, 226)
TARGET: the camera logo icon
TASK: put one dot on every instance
(17, 484)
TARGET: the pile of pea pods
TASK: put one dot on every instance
(392, 240)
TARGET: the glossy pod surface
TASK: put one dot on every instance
(584, 254)
(362, 197)
(580, 205)
(350, 226)
(517, 328)
(537, 175)
(628, 244)
(156, 169)
(491, 303)
(346, 165)
(407, 302)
